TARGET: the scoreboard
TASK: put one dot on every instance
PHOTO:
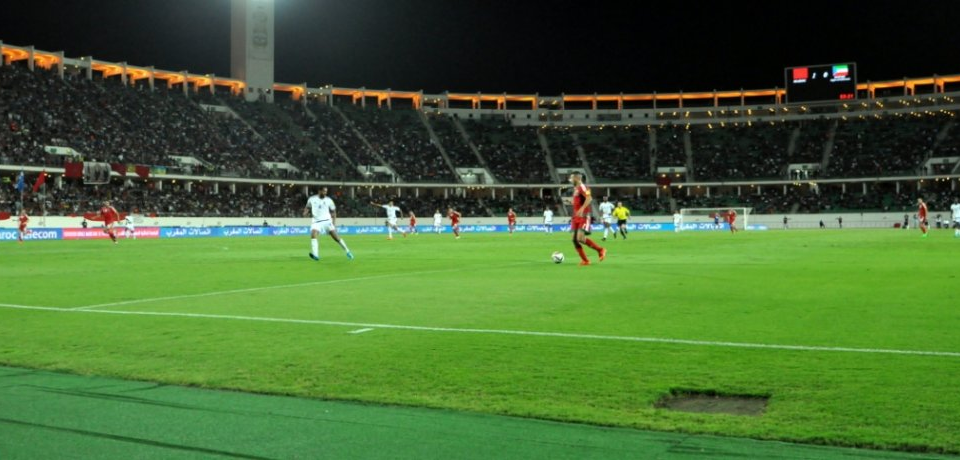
(829, 82)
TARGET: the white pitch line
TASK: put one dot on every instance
(565, 335)
(285, 286)
(361, 331)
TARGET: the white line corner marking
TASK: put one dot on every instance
(700, 343)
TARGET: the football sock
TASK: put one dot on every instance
(314, 247)
(343, 244)
(389, 232)
(593, 245)
(606, 231)
(583, 255)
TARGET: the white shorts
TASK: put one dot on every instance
(129, 228)
(323, 226)
(392, 222)
(608, 219)
(548, 222)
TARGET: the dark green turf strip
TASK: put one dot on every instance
(51, 415)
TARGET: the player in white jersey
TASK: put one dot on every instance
(677, 221)
(324, 213)
(437, 222)
(548, 220)
(955, 210)
(131, 230)
(391, 223)
(606, 215)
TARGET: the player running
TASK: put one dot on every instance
(413, 224)
(110, 217)
(677, 221)
(581, 219)
(324, 213)
(511, 220)
(621, 213)
(391, 223)
(22, 226)
(922, 216)
(454, 221)
(131, 230)
(606, 215)
(732, 220)
(955, 210)
(437, 222)
(548, 220)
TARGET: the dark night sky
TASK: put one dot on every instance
(514, 46)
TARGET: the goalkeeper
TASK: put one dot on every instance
(621, 213)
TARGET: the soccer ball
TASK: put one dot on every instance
(557, 257)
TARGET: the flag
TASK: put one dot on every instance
(841, 71)
(40, 181)
(20, 184)
(120, 168)
(73, 170)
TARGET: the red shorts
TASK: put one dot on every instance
(580, 223)
(23, 228)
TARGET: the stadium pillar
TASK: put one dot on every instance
(708, 192)
(233, 189)
(252, 46)
(277, 190)
(864, 188)
(216, 188)
(30, 57)
(150, 77)
(89, 61)
(898, 186)
(738, 191)
(60, 64)
(188, 186)
(186, 84)
(159, 185)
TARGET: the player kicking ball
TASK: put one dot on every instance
(110, 218)
(580, 224)
(324, 213)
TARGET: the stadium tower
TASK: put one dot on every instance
(251, 47)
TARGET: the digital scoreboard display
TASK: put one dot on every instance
(830, 82)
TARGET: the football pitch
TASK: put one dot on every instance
(851, 335)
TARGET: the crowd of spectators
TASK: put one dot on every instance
(454, 143)
(401, 139)
(514, 154)
(617, 154)
(892, 145)
(104, 120)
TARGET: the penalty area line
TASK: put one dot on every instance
(286, 286)
(563, 335)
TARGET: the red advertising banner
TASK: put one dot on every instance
(98, 234)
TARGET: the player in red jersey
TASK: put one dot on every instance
(413, 224)
(22, 226)
(580, 224)
(511, 220)
(110, 217)
(454, 222)
(922, 216)
(732, 220)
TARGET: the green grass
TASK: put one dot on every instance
(871, 289)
